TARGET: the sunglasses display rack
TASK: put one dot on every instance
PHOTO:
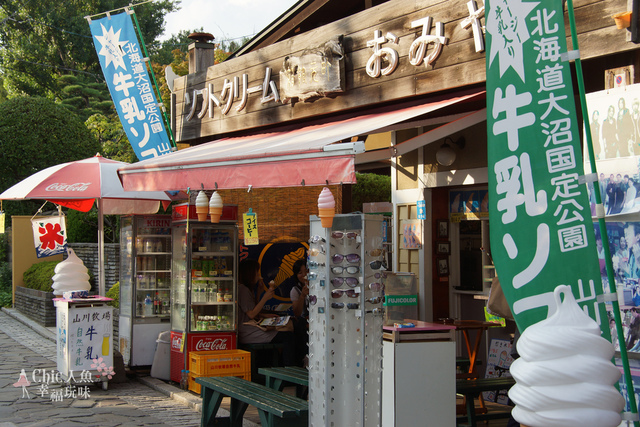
(346, 292)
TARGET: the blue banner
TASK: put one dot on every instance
(123, 66)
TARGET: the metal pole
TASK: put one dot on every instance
(631, 396)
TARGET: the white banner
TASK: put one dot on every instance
(49, 235)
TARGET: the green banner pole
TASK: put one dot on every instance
(631, 396)
(153, 77)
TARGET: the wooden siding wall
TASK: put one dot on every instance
(457, 66)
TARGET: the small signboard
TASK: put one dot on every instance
(421, 206)
(250, 224)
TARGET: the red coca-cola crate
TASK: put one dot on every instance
(196, 342)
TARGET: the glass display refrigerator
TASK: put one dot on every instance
(203, 288)
(145, 285)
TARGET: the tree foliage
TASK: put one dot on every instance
(112, 138)
(36, 133)
(370, 188)
(44, 39)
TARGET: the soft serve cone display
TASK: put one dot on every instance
(70, 275)
(202, 206)
(326, 207)
(215, 207)
(564, 375)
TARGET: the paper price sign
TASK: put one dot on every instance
(250, 224)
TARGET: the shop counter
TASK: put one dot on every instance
(419, 375)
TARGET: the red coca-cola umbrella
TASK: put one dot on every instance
(78, 184)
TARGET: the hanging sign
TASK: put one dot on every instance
(49, 236)
(124, 68)
(421, 207)
(541, 229)
(250, 222)
(1, 222)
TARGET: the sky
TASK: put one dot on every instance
(225, 19)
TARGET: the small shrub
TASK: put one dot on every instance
(6, 299)
(39, 276)
(6, 281)
(114, 293)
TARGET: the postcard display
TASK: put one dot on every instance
(203, 314)
(345, 321)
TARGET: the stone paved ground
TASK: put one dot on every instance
(125, 404)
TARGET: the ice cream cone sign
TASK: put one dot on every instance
(202, 206)
(326, 207)
(215, 207)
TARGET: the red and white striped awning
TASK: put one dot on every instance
(282, 158)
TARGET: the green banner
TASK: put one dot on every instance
(541, 229)
(395, 300)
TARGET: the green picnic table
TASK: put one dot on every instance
(276, 409)
(277, 377)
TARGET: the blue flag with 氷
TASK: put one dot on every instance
(123, 66)
(541, 229)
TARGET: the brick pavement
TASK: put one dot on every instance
(124, 404)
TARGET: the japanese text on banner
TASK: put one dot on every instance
(250, 221)
(123, 66)
(541, 229)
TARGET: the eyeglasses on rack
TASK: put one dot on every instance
(352, 269)
(376, 287)
(351, 258)
(337, 293)
(339, 281)
(349, 306)
(313, 264)
(344, 235)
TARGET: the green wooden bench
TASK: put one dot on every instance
(471, 389)
(276, 409)
(267, 354)
(277, 378)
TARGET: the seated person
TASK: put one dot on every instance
(300, 305)
(250, 308)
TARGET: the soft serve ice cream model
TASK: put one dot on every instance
(326, 207)
(215, 207)
(564, 375)
(70, 275)
(202, 206)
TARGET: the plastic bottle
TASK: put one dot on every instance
(184, 379)
(148, 306)
(156, 304)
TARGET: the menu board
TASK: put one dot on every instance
(498, 362)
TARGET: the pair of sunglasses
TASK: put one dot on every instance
(351, 258)
(344, 235)
(349, 306)
(313, 264)
(337, 293)
(352, 269)
(376, 287)
(339, 281)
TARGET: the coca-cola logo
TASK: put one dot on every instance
(176, 342)
(78, 186)
(217, 344)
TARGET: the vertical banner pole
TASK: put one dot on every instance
(631, 396)
(153, 77)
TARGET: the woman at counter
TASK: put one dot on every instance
(250, 308)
